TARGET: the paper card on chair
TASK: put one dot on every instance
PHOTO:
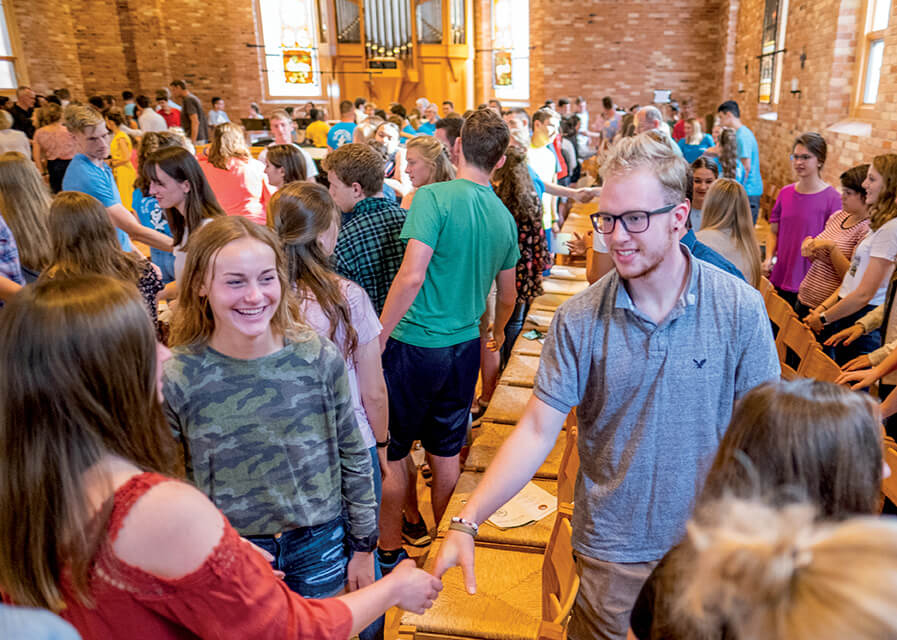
(531, 504)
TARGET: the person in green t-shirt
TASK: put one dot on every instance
(460, 238)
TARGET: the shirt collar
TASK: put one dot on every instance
(689, 295)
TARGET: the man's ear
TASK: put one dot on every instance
(357, 191)
(500, 163)
(456, 148)
(680, 214)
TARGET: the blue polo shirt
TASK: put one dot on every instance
(340, 134)
(427, 129)
(653, 401)
(95, 180)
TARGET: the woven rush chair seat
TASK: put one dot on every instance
(538, 319)
(549, 301)
(526, 347)
(507, 604)
(889, 485)
(565, 272)
(491, 436)
(507, 404)
(520, 371)
(564, 287)
(534, 535)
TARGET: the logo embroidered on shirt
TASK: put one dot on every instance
(699, 364)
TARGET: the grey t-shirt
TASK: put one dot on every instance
(192, 106)
(653, 402)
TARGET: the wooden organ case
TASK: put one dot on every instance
(401, 50)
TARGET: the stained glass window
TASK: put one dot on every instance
(510, 49)
(290, 30)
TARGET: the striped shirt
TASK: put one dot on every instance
(821, 280)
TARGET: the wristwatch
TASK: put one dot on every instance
(822, 319)
(385, 443)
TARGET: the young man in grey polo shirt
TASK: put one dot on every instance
(654, 355)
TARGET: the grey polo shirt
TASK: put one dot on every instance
(654, 401)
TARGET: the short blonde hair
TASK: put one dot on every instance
(646, 151)
(5, 120)
(780, 574)
(78, 117)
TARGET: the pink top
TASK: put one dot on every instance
(56, 142)
(242, 189)
(232, 595)
(821, 280)
(367, 325)
(798, 215)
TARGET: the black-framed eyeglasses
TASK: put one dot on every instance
(632, 221)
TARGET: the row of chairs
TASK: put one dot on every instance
(522, 571)
(800, 355)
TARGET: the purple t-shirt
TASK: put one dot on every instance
(798, 215)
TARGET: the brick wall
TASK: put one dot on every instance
(827, 32)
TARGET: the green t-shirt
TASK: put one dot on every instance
(473, 237)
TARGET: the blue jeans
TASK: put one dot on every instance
(374, 631)
(313, 558)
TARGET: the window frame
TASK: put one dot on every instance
(777, 56)
(865, 39)
(518, 90)
(17, 58)
(317, 87)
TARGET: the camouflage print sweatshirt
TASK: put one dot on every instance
(273, 441)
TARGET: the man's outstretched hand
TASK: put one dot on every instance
(457, 550)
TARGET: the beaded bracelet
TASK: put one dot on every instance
(465, 526)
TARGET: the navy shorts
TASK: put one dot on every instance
(430, 393)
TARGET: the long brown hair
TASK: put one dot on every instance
(885, 208)
(25, 205)
(726, 208)
(78, 373)
(151, 142)
(193, 322)
(289, 158)
(84, 240)
(728, 153)
(200, 202)
(227, 142)
(819, 440)
(514, 187)
(301, 212)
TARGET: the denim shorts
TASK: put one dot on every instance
(313, 558)
(430, 392)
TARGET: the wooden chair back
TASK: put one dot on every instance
(796, 338)
(765, 287)
(779, 312)
(818, 366)
(560, 582)
(889, 485)
(568, 469)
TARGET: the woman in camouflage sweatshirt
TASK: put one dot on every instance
(263, 410)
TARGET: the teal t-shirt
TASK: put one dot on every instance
(473, 237)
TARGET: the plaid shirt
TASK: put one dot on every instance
(9, 256)
(368, 250)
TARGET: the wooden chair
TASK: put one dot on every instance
(889, 485)
(538, 319)
(513, 586)
(507, 404)
(765, 287)
(490, 438)
(563, 272)
(564, 287)
(535, 535)
(549, 301)
(818, 366)
(526, 347)
(520, 371)
(779, 312)
(569, 468)
(793, 342)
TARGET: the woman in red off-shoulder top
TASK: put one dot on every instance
(92, 528)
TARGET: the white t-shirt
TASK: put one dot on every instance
(180, 251)
(310, 169)
(149, 120)
(15, 140)
(367, 326)
(878, 244)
